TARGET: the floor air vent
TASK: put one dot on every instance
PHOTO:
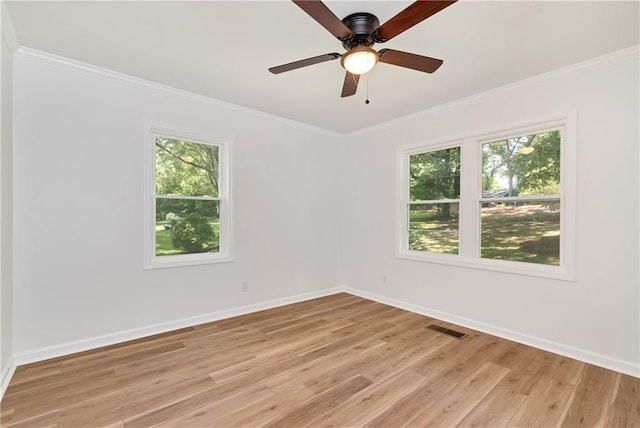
(450, 332)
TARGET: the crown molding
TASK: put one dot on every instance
(623, 55)
(74, 65)
(9, 35)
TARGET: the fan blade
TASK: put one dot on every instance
(409, 60)
(323, 16)
(304, 62)
(412, 15)
(350, 85)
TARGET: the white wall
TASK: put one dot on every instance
(597, 317)
(78, 165)
(313, 210)
(6, 201)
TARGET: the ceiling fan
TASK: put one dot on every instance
(359, 31)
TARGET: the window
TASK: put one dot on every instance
(520, 203)
(188, 200)
(501, 202)
(434, 201)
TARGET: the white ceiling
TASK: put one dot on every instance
(223, 49)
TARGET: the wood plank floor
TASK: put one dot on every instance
(338, 361)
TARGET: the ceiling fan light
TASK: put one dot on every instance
(359, 60)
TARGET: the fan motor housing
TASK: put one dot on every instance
(362, 25)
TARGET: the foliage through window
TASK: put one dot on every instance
(520, 204)
(505, 210)
(190, 200)
(434, 196)
(187, 203)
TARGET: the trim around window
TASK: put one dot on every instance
(224, 253)
(471, 197)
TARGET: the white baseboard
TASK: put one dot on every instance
(137, 333)
(605, 361)
(68, 348)
(7, 374)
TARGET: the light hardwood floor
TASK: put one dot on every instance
(335, 361)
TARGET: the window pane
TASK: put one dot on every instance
(521, 231)
(187, 226)
(435, 175)
(522, 166)
(186, 168)
(434, 227)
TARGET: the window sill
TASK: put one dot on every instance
(186, 260)
(518, 268)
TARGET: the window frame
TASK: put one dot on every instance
(471, 196)
(407, 202)
(151, 260)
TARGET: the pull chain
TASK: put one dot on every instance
(367, 100)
